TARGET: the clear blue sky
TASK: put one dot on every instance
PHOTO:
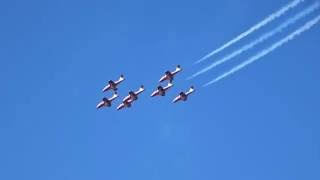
(56, 56)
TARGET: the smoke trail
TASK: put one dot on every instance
(264, 22)
(266, 51)
(261, 39)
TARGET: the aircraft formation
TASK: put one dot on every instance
(133, 95)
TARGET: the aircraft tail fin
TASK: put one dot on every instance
(141, 88)
(178, 68)
(169, 86)
(121, 77)
(115, 95)
(191, 90)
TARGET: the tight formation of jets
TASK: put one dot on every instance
(133, 95)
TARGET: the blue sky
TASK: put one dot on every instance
(56, 56)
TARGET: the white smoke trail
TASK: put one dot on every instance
(266, 51)
(261, 39)
(264, 22)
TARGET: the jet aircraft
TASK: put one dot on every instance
(161, 91)
(113, 85)
(183, 96)
(107, 102)
(170, 75)
(134, 95)
(126, 104)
